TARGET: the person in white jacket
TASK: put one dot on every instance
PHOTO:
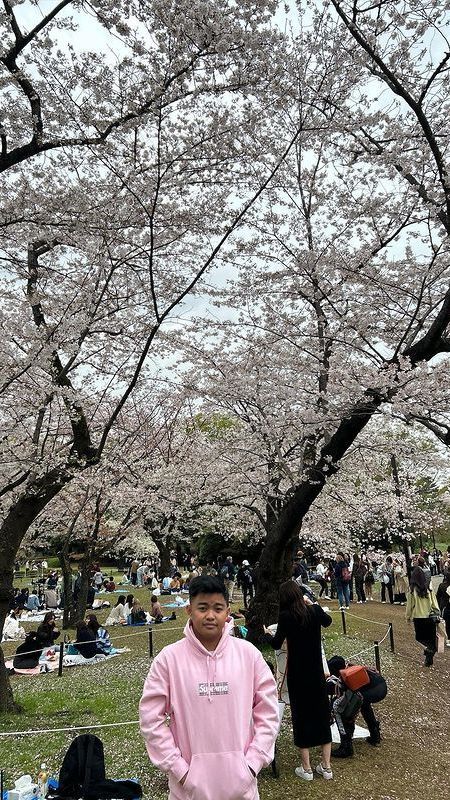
(209, 709)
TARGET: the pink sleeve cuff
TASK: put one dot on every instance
(179, 768)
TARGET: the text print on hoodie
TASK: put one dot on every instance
(212, 715)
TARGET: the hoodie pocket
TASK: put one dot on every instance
(222, 776)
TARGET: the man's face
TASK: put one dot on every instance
(208, 613)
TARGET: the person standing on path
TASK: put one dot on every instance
(209, 709)
(421, 603)
(343, 576)
(244, 580)
(228, 575)
(387, 580)
(300, 623)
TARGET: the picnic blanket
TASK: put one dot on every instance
(179, 604)
(80, 661)
(45, 665)
(76, 660)
(38, 616)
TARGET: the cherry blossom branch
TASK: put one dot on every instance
(188, 289)
(82, 445)
(391, 79)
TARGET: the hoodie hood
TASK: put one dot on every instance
(211, 656)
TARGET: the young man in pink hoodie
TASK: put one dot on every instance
(209, 709)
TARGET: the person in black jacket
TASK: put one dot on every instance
(443, 598)
(373, 692)
(28, 653)
(300, 623)
(86, 641)
(47, 632)
(244, 580)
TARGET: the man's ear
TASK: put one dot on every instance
(189, 609)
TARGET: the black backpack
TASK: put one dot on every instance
(82, 774)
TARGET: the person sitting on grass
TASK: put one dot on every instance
(11, 628)
(175, 583)
(33, 603)
(101, 634)
(157, 612)
(85, 641)
(117, 614)
(128, 606)
(47, 631)
(109, 585)
(156, 609)
(138, 615)
(28, 653)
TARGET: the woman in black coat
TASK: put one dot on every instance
(300, 624)
(86, 641)
(28, 653)
(47, 632)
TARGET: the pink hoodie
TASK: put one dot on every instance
(212, 715)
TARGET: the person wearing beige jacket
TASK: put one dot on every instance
(422, 608)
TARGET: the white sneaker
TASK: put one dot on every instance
(326, 773)
(342, 608)
(306, 774)
(347, 608)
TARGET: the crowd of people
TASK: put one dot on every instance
(210, 662)
(353, 577)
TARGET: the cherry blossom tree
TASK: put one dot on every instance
(126, 168)
(341, 291)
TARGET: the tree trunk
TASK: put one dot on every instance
(64, 562)
(164, 548)
(282, 534)
(14, 527)
(263, 608)
(79, 609)
(163, 542)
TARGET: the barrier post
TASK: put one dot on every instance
(377, 656)
(61, 656)
(344, 623)
(391, 637)
(1, 784)
(150, 642)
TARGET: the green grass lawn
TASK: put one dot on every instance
(412, 759)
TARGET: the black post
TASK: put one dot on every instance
(344, 623)
(61, 656)
(1, 784)
(391, 637)
(377, 656)
(150, 642)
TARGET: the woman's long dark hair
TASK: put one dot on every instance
(120, 599)
(93, 623)
(130, 599)
(291, 599)
(419, 582)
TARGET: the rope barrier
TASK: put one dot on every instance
(142, 628)
(74, 728)
(365, 619)
(369, 649)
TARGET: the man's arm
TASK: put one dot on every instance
(153, 710)
(265, 717)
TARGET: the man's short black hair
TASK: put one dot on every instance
(207, 584)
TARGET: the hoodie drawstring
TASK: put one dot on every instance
(208, 663)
